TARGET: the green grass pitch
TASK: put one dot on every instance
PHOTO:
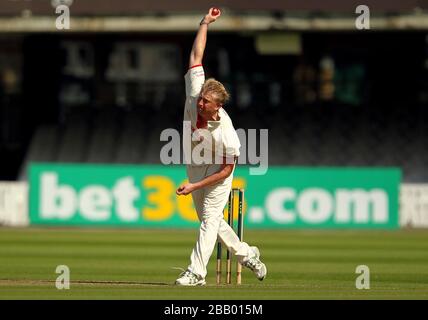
(137, 264)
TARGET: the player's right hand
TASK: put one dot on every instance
(209, 18)
(185, 189)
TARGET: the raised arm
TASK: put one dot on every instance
(201, 38)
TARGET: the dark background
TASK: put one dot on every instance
(376, 115)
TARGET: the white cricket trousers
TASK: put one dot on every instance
(209, 204)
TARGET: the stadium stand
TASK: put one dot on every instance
(297, 137)
(378, 121)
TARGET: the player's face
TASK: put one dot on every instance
(208, 106)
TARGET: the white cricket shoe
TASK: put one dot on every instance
(253, 263)
(188, 278)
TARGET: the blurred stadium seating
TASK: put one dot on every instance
(89, 111)
(298, 137)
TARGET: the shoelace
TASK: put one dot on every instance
(183, 272)
(186, 273)
(179, 268)
(191, 276)
(252, 263)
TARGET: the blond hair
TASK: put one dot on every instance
(216, 88)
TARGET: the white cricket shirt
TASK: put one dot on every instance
(223, 137)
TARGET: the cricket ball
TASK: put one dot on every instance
(215, 11)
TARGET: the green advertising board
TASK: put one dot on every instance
(110, 195)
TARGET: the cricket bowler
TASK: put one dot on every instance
(210, 183)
